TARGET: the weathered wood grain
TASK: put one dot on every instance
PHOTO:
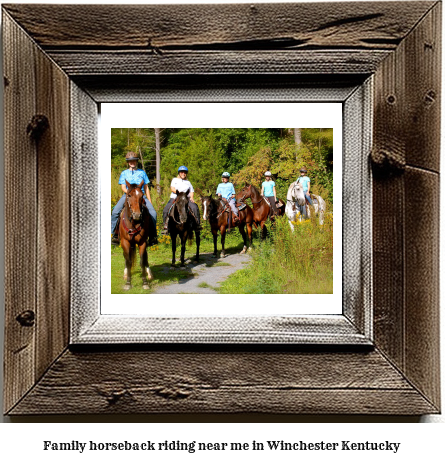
(84, 207)
(130, 62)
(422, 364)
(423, 91)
(406, 131)
(153, 27)
(398, 42)
(20, 213)
(223, 382)
(53, 211)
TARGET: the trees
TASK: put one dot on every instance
(246, 153)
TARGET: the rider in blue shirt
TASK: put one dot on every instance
(227, 192)
(269, 191)
(306, 183)
(133, 175)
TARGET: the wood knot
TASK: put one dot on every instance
(172, 393)
(26, 318)
(37, 126)
(112, 396)
(388, 162)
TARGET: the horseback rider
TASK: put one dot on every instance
(306, 184)
(268, 190)
(133, 175)
(226, 191)
(181, 184)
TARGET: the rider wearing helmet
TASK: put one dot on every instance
(306, 183)
(133, 175)
(181, 184)
(226, 191)
(269, 191)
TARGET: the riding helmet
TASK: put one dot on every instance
(225, 175)
(267, 173)
(183, 168)
(131, 156)
(303, 170)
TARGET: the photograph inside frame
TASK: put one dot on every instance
(222, 211)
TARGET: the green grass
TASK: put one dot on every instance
(298, 262)
(159, 259)
(218, 264)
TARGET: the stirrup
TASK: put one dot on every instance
(115, 239)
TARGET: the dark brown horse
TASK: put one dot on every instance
(133, 230)
(218, 215)
(260, 206)
(182, 222)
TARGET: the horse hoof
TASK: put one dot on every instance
(127, 287)
(222, 255)
(149, 274)
(244, 250)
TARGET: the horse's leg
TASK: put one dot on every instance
(198, 242)
(223, 241)
(146, 272)
(263, 230)
(127, 255)
(183, 242)
(173, 238)
(244, 235)
(249, 233)
(215, 242)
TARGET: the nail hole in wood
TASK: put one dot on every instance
(26, 318)
(391, 99)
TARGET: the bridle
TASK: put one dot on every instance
(245, 196)
(134, 231)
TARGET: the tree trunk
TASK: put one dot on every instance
(158, 159)
(297, 136)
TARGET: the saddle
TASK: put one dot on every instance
(226, 208)
(240, 205)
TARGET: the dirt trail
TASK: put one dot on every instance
(207, 275)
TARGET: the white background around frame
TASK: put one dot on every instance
(217, 115)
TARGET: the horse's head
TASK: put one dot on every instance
(208, 206)
(244, 193)
(298, 194)
(134, 199)
(181, 205)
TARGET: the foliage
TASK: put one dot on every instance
(289, 262)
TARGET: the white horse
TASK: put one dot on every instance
(295, 205)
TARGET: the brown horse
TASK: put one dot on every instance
(218, 215)
(261, 208)
(133, 230)
(182, 222)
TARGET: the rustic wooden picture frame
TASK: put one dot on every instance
(76, 56)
